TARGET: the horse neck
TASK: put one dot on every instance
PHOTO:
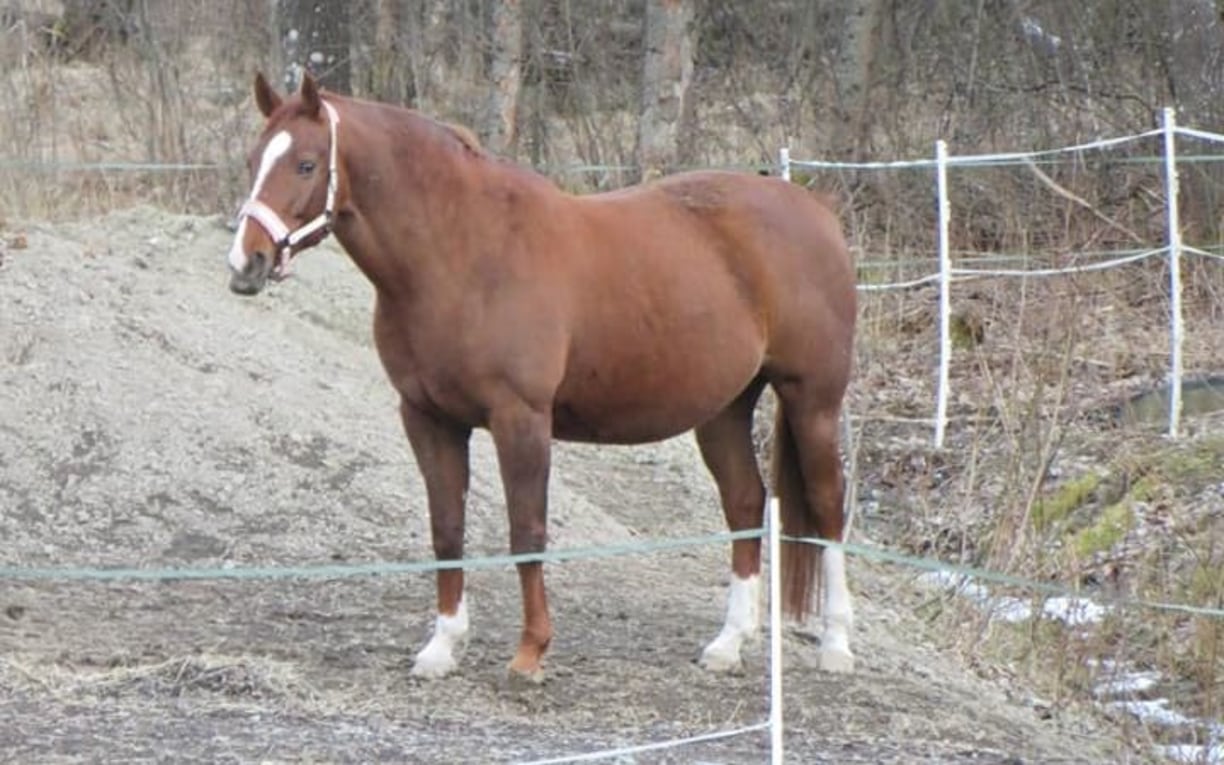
(408, 181)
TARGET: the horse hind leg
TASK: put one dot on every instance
(726, 447)
(811, 489)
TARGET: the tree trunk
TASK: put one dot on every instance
(667, 72)
(499, 126)
(90, 27)
(1196, 79)
(1197, 53)
(853, 68)
(315, 37)
(427, 50)
(391, 71)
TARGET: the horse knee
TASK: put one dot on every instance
(748, 503)
(528, 537)
(447, 541)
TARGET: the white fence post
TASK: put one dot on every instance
(775, 632)
(945, 293)
(784, 162)
(1175, 282)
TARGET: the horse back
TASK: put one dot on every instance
(780, 245)
(685, 290)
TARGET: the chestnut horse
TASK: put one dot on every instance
(621, 318)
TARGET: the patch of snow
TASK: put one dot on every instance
(1128, 685)
(1072, 611)
(1195, 754)
(1153, 711)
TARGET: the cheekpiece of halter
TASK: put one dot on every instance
(282, 237)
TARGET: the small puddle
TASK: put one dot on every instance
(1200, 395)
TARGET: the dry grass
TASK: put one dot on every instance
(1040, 481)
(234, 677)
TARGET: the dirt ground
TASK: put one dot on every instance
(150, 418)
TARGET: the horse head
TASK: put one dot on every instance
(293, 188)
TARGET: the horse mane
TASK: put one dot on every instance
(464, 135)
(460, 133)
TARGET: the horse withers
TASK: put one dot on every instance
(620, 318)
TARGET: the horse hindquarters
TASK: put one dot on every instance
(810, 490)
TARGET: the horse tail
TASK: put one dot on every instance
(799, 559)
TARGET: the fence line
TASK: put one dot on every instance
(1202, 253)
(1173, 248)
(914, 261)
(772, 531)
(607, 754)
(966, 572)
(1064, 271)
(644, 547)
(348, 570)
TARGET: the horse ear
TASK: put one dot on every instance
(310, 96)
(265, 97)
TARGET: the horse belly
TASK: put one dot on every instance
(638, 400)
(624, 426)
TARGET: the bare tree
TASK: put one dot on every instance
(1196, 71)
(1196, 85)
(88, 27)
(427, 50)
(499, 127)
(667, 72)
(390, 78)
(854, 67)
(316, 37)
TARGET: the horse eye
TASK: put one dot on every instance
(306, 167)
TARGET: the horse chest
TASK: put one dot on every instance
(425, 365)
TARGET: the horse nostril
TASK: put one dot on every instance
(241, 287)
(250, 280)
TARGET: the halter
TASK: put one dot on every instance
(282, 237)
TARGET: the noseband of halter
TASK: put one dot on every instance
(282, 237)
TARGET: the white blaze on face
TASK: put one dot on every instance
(277, 147)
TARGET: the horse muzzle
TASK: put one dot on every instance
(253, 278)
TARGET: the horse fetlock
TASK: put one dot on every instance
(437, 658)
(527, 664)
(835, 655)
(434, 661)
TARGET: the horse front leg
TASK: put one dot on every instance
(441, 450)
(523, 437)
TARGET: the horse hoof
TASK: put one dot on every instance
(720, 662)
(529, 677)
(433, 667)
(836, 660)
